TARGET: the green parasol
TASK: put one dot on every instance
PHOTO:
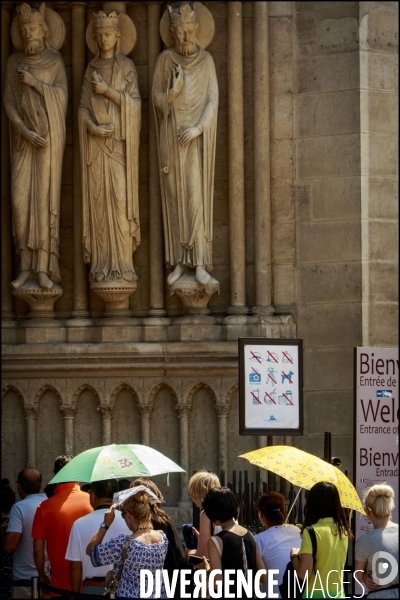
(115, 462)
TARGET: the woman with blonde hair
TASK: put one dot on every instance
(199, 485)
(378, 503)
(144, 549)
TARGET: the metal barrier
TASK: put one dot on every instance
(36, 586)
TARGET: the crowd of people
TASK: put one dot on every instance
(100, 536)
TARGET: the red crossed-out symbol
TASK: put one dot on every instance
(269, 375)
(256, 357)
(266, 393)
(287, 377)
(272, 356)
(256, 372)
(288, 399)
(288, 357)
(254, 396)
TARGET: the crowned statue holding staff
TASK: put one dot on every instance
(35, 101)
(109, 128)
(185, 98)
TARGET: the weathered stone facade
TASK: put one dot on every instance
(305, 221)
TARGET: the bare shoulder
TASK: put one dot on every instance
(150, 537)
(239, 530)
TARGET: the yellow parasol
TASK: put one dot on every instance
(305, 470)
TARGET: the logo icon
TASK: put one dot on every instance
(384, 568)
(383, 393)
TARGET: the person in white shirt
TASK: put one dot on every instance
(18, 535)
(82, 572)
(276, 542)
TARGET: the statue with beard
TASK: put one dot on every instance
(185, 98)
(35, 101)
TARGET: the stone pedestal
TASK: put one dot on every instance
(115, 296)
(196, 322)
(194, 296)
(41, 302)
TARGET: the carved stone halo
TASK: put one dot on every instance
(206, 30)
(128, 34)
(54, 22)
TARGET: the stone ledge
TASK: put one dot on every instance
(274, 326)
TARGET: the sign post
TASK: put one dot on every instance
(270, 387)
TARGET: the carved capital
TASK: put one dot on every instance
(222, 410)
(68, 412)
(106, 411)
(183, 410)
(31, 412)
(145, 410)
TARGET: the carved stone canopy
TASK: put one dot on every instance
(204, 18)
(128, 34)
(55, 24)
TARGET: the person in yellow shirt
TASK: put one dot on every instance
(323, 511)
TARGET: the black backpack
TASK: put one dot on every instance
(289, 587)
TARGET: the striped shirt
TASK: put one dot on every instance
(380, 540)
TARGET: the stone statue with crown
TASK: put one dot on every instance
(109, 128)
(35, 100)
(185, 98)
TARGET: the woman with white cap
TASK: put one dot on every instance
(144, 549)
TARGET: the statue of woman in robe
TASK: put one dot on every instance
(109, 128)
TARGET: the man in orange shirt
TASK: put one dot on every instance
(52, 524)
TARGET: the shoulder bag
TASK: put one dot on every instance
(112, 580)
(291, 590)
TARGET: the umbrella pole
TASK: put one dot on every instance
(293, 503)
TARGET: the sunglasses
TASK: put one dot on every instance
(123, 513)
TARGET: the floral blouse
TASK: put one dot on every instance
(140, 556)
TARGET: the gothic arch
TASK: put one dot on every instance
(198, 386)
(230, 393)
(10, 387)
(44, 388)
(159, 386)
(122, 386)
(82, 388)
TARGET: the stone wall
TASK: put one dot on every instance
(332, 113)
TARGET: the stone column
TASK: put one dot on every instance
(156, 257)
(68, 413)
(145, 416)
(222, 411)
(120, 6)
(262, 200)
(262, 441)
(80, 314)
(31, 414)
(7, 313)
(236, 160)
(183, 411)
(106, 415)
